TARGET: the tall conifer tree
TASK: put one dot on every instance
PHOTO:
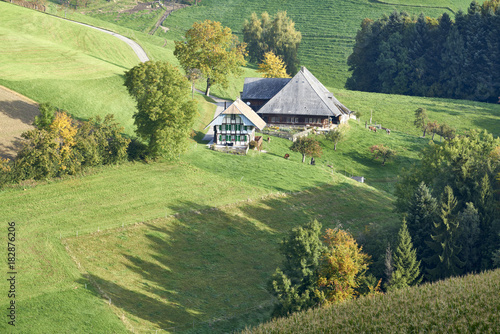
(444, 261)
(406, 267)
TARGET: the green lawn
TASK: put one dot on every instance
(68, 65)
(208, 269)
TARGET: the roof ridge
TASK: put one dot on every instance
(304, 69)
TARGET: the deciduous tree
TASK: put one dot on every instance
(277, 35)
(337, 135)
(307, 147)
(272, 66)
(421, 120)
(165, 113)
(382, 151)
(342, 264)
(212, 49)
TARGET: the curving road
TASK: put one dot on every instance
(139, 51)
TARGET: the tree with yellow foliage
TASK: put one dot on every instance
(272, 66)
(212, 49)
(342, 264)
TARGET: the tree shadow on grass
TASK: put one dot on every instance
(138, 304)
(207, 268)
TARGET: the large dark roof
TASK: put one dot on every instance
(301, 95)
(262, 88)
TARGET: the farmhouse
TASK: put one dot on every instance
(299, 101)
(235, 126)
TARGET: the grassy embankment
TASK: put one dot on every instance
(467, 304)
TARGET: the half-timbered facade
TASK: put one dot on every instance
(299, 101)
(235, 126)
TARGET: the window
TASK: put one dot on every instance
(245, 127)
(228, 138)
(244, 138)
(220, 138)
(237, 138)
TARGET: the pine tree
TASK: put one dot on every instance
(469, 238)
(294, 284)
(406, 267)
(422, 213)
(388, 263)
(444, 261)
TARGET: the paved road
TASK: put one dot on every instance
(139, 51)
(220, 103)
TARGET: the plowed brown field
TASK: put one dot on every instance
(17, 113)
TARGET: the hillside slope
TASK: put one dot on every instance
(73, 67)
(328, 27)
(468, 304)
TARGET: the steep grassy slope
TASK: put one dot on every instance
(458, 305)
(71, 66)
(328, 27)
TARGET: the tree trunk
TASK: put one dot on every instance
(335, 146)
(192, 90)
(425, 129)
(303, 158)
(433, 134)
(207, 92)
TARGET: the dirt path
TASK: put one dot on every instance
(17, 113)
(168, 10)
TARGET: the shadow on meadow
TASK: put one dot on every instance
(208, 268)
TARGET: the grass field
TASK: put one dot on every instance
(51, 60)
(328, 27)
(397, 112)
(458, 305)
(109, 198)
(207, 270)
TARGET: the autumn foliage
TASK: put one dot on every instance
(316, 272)
(65, 146)
(342, 264)
(272, 66)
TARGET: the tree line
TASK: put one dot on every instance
(459, 59)
(451, 203)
